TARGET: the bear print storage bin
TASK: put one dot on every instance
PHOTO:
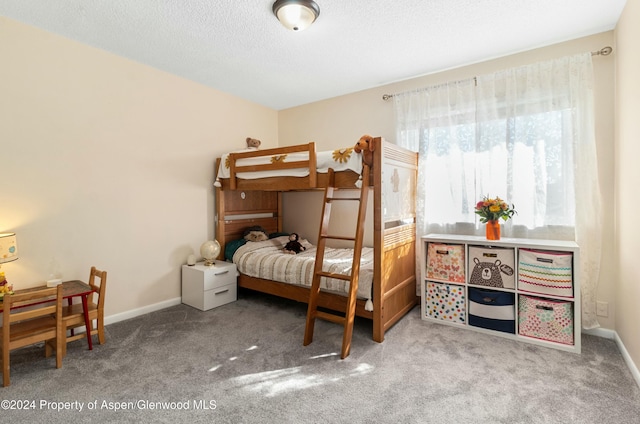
(446, 262)
(492, 266)
(545, 272)
(445, 302)
(546, 319)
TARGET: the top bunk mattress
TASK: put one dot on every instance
(339, 160)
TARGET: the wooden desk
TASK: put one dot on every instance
(70, 289)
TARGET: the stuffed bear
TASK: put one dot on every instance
(293, 246)
(365, 146)
(253, 143)
(255, 233)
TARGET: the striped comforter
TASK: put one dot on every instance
(265, 259)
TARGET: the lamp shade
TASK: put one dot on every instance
(8, 247)
(296, 15)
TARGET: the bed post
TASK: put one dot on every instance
(394, 235)
(279, 213)
(378, 242)
(219, 208)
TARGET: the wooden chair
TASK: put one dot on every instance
(73, 315)
(29, 318)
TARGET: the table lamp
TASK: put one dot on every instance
(8, 247)
(8, 251)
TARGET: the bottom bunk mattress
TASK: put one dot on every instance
(266, 260)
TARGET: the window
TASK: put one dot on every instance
(524, 134)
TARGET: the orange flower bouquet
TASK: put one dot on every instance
(494, 209)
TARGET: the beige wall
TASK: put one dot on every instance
(108, 162)
(627, 176)
(342, 120)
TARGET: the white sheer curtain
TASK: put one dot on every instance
(525, 134)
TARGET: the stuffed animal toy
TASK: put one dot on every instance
(253, 143)
(365, 146)
(293, 246)
(255, 233)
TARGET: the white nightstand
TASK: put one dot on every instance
(207, 287)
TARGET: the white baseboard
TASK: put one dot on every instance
(601, 332)
(627, 358)
(611, 334)
(141, 311)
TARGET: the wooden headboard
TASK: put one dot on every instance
(236, 210)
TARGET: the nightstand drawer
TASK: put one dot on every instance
(203, 278)
(218, 277)
(220, 296)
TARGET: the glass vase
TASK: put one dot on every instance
(493, 230)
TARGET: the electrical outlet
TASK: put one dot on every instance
(602, 309)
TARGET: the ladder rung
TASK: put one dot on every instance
(330, 317)
(343, 198)
(338, 237)
(336, 276)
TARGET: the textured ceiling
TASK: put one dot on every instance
(238, 46)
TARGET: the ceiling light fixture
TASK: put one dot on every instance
(296, 15)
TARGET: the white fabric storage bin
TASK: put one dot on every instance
(546, 319)
(492, 266)
(446, 262)
(445, 302)
(545, 272)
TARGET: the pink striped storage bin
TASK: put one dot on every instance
(545, 272)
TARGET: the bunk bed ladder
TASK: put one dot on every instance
(318, 273)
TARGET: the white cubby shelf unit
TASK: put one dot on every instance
(486, 286)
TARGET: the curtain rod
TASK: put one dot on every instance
(605, 51)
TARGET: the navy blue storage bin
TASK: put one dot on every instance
(492, 309)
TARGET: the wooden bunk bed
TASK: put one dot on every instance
(243, 202)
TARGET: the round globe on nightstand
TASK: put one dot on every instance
(210, 250)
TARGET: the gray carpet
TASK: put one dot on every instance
(245, 363)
